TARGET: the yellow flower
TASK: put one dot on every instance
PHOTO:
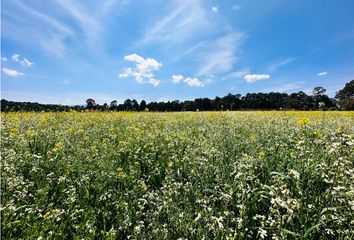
(120, 173)
(340, 129)
(143, 186)
(262, 155)
(252, 137)
(13, 132)
(123, 143)
(30, 133)
(303, 122)
(44, 120)
(70, 130)
(317, 134)
(57, 147)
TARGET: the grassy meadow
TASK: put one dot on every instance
(201, 175)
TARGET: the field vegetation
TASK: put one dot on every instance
(201, 175)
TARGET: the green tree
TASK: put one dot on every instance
(90, 103)
(346, 96)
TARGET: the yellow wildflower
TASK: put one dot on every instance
(303, 122)
(30, 134)
(120, 173)
(252, 137)
(57, 147)
(262, 155)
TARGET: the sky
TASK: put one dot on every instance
(65, 51)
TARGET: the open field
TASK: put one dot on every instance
(211, 175)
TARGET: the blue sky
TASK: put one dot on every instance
(63, 51)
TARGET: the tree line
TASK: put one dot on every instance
(318, 100)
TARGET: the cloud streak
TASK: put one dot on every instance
(285, 87)
(184, 20)
(219, 56)
(23, 62)
(280, 64)
(322, 74)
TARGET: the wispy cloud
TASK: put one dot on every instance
(215, 9)
(143, 71)
(190, 21)
(320, 74)
(286, 87)
(4, 59)
(251, 78)
(238, 74)
(87, 22)
(45, 31)
(23, 62)
(45, 18)
(189, 50)
(236, 7)
(277, 65)
(193, 82)
(219, 56)
(12, 72)
(57, 25)
(184, 19)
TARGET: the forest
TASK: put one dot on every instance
(318, 100)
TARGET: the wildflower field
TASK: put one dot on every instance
(202, 175)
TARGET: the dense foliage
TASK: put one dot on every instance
(207, 175)
(251, 101)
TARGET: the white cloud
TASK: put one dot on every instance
(177, 78)
(322, 74)
(24, 62)
(236, 7)
(193, 82)
(15, 57)
(45, 28)
(143, 71)
(154, 82)
(4, 59)
(219, 56)
(57, 25)
(285, 87)
(183, 19)
(86, 20)
(12, 73)
(134, 58)
(238, 74)
(279, 64)
(215, 9)
(256, 77)
(190, 21)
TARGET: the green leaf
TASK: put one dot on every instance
(308, 231)
(286, 231)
